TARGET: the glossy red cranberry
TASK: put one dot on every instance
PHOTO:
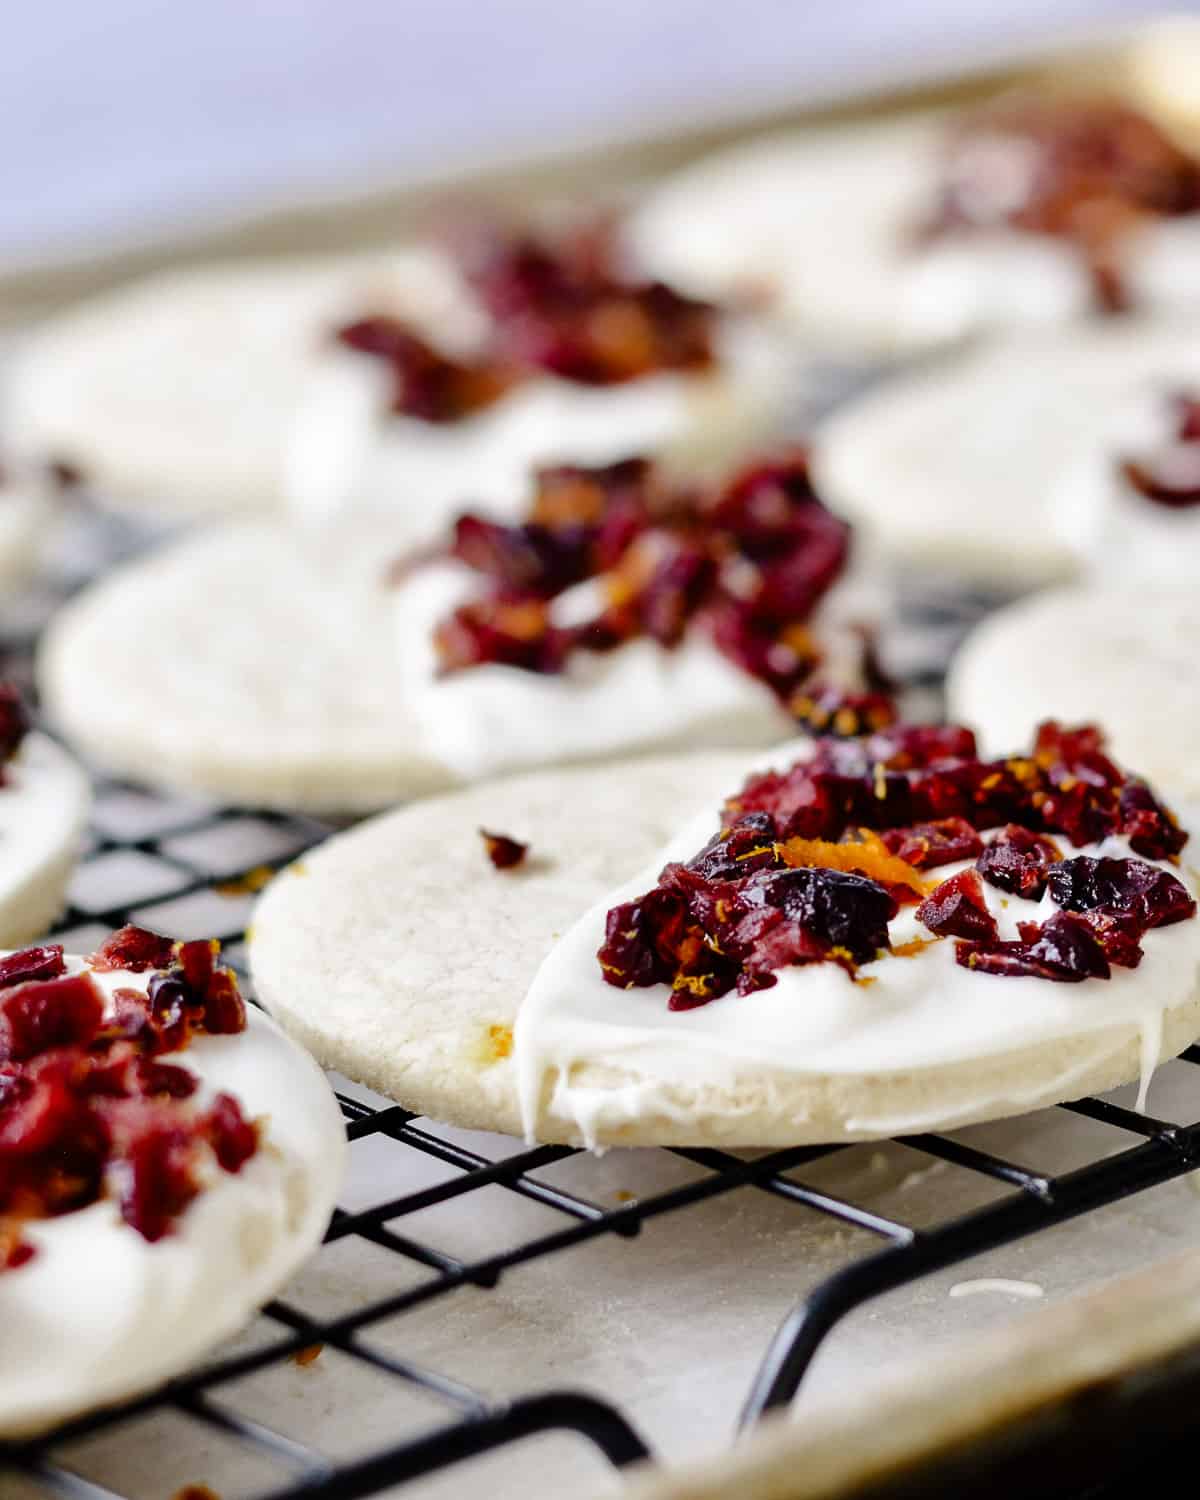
(45, 962)
(504, 852)
(1063, 949)
(1150, 828)
(63, 1012)
(427, 384)
(1123, 887)
(133, 948)
(233, 1138)
(925, 846)
(958, 908)
(1018, 861)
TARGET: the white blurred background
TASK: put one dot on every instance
(121, 118)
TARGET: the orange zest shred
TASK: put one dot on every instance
(913, 947)
(866, 855)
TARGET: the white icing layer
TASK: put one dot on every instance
(492, 719)
(99, 1314)
(350, 451)
(919, 1012)
(44, 802)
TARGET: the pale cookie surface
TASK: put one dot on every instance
(1123, 657)
(44, 802)
(177, 393)
(398, 955)
(248, 664)
(960, 466)
(99, 1314)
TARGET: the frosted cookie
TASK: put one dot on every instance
(569, 361)
(860, 939)
(624, 613)
(202, 1152)
(913, 231)
(962, 466)
(44, 803)
(1126, 654)
(411, 380)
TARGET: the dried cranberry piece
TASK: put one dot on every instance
(1150, 828)
(528, 559)
(642, 939)
(41, 1014)
(958, 908)
(835, 907)
(154, 1165)
(1064, 950)
(198, 962)
(906, 747)
(224, 1008)
(780, 944)
(1124, 887)
(746, 845)
(133, 948)
(233, 1138)
(1018, 861)
(36, 1114)
(14, 721)
(506, 633)
(1170, 479)
(825, 709)
(504, 852)
(925, 846)
(32, 963)
(1117, 933)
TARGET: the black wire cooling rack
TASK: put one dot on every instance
(192, 870)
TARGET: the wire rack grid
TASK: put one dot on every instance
(191, 869)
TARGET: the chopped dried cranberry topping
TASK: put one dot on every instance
(927, 845)
(1017, 861)
(1063, 948)
(748, 563)
(1171, 476)
(425, 383)
(1122, 887)
(958, 908)
(574, 315)
(45, 1013)
(133, 948)
(812, 862)
(88, 1107)
(1150, 827)
(1086, 171)
(504, 852)
(32, 963)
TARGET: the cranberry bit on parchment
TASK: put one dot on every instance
(811, 862)
(88, 1107)
(504, 852)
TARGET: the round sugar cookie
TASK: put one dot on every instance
(957, 466)
(1124, 657)
(247, 664)
(100, 1313)
(44, 803)
(398, 955)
